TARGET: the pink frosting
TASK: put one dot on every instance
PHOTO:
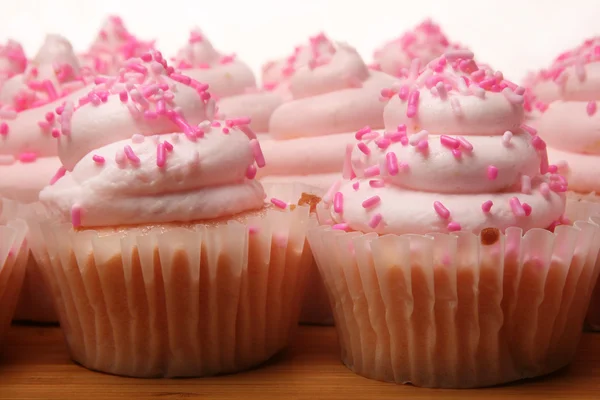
(30, 118)
(226, 75)
(425, 42)
(570, 123)
(12, 60)
(454, 156)
(149, 152)
(331, 99)
(112, 47)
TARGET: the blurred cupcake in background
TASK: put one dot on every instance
(425, 42)
(113, 45)
(569, 121)
(14, 251)
(447, 258)
(35, 107)
(12, 60)
(162, 253)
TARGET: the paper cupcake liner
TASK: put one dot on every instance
(577, 208)
(13, 257)
(315, 307)
(459, 310)
(178, 302)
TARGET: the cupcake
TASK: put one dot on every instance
(425, 42)
(12, 60)
(34, 104)
(162, 254)
(334, 96)
(13, 256)
(445, 259)
(113, 45)
(568, 92)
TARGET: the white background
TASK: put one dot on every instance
(512, 35)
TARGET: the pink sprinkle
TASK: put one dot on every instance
(538, 143)
(383, 143)
(361, 132)
(59, 174)
(372, 171)
(441, 210)
(512, 97)
(356, 185)
(545, 189)
(98, 159)
(449, 142)
(516, 207)
(376, 183)
(44, 125)
(453, 227)
(340, 227)
(492, 172)
(215, 124)
(338, 202)
(131, 155)
(27, 157)
(55, 132)
(49, 116)
(553, 169)
(161, 155)
(591, 108)
(279, 203)
(371, 202)
(392, 163)
(441, 90)
(506, 138)
(418, 137)
(454, 103)
(375, 220)
(76, 215)
(137, 67)
(168, 146)
(225, 130)
(423, 145)
(413, 103)
(403, 93)
(3, 129)
(123, 96)
(487, 206)
(525, 184)
(465, 144)
(364, 148)
(258, 154)
(181, 78)
(456, 153)
(527, 208)
(529, 129)
(251, 171)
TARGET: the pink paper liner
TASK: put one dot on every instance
(445, 310)
(315, 307)
(13, 256)
(178, 302)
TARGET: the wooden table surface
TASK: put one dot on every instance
(35, 365)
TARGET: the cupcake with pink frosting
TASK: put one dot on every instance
(334, 96)
(425, 42)
(443, 250)
(569, 91)
(113, 45)
(161, 251)
(12, 60)
(14, 251)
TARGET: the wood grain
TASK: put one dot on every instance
(35, 365)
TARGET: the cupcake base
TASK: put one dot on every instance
(178, 301)
(459, 311)
(35, 302)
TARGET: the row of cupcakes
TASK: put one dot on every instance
(446, 239)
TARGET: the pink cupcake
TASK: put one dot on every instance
(425, 42)
(33, 107)
(334, 96)
(568, 93)
(14, 251)
(113, 45)
(443, 258)
(162, 255)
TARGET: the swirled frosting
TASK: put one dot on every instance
(225, 73)
(569, 120)
(425, 42)
(455, 155)
(143, 148)
(12, 60)
(30, 118)
(113, 45)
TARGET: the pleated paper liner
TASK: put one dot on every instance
(578, 207)
(315, 309)
(13, 256)
(459, 310)
(35, 302)
(175, 301)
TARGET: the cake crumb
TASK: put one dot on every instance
(489, 236)
(310, 200)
